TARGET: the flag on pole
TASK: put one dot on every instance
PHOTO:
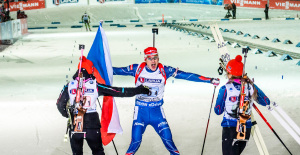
(99, 54)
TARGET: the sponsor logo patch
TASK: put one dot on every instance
(137, 123)
(162, 123)
(143, 80)
(73, 91)
(89, 91)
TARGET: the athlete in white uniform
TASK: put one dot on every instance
(228, 102)
(91, 122)
(148, 108)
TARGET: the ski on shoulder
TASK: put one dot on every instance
(225, 56)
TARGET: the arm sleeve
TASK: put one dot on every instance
(106, 90)
(262, 99)
(178, 74)
(62, 101)
(127, 71)
(220, 103)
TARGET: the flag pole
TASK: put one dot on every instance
(112, 140)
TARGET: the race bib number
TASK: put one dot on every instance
(153, 91)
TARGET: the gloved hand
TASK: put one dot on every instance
(143, 89)
(215, 81)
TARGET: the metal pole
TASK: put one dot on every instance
(208, 120)
(153, 39)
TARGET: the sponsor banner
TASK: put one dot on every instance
(6, 30)
(285, 5)
(247, 3)
(16, 28)
(210, 2)
(274, 4)
(29, 5)
(63, 3)
(24, 28)
(156, 1)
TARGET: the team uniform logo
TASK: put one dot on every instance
(142, 80)
(73, 91)
(237, 98)
(233, 98)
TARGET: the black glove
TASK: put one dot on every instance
(143, 89)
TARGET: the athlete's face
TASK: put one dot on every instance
(152, 62)
(229, 76)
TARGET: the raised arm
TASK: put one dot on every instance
(121, 92)
(127, 71)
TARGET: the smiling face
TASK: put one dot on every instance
(152, 62)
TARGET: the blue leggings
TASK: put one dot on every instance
(155, 117)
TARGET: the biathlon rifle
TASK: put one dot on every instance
(243, 105)
(80, 99)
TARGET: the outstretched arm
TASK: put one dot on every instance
(127, 71)
(262, 99)
(220, 103)
(178, 74)
(106, 90)
(62, 101)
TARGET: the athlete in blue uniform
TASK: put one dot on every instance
(148, 108)
(228, 101)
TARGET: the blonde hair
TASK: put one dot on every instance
(231, 79)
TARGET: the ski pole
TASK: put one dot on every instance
(112, 140)
(208, 119)
(262, 116)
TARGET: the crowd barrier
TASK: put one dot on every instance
(12, 30)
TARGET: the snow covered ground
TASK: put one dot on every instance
(35, 68)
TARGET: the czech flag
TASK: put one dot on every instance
(99, 54)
